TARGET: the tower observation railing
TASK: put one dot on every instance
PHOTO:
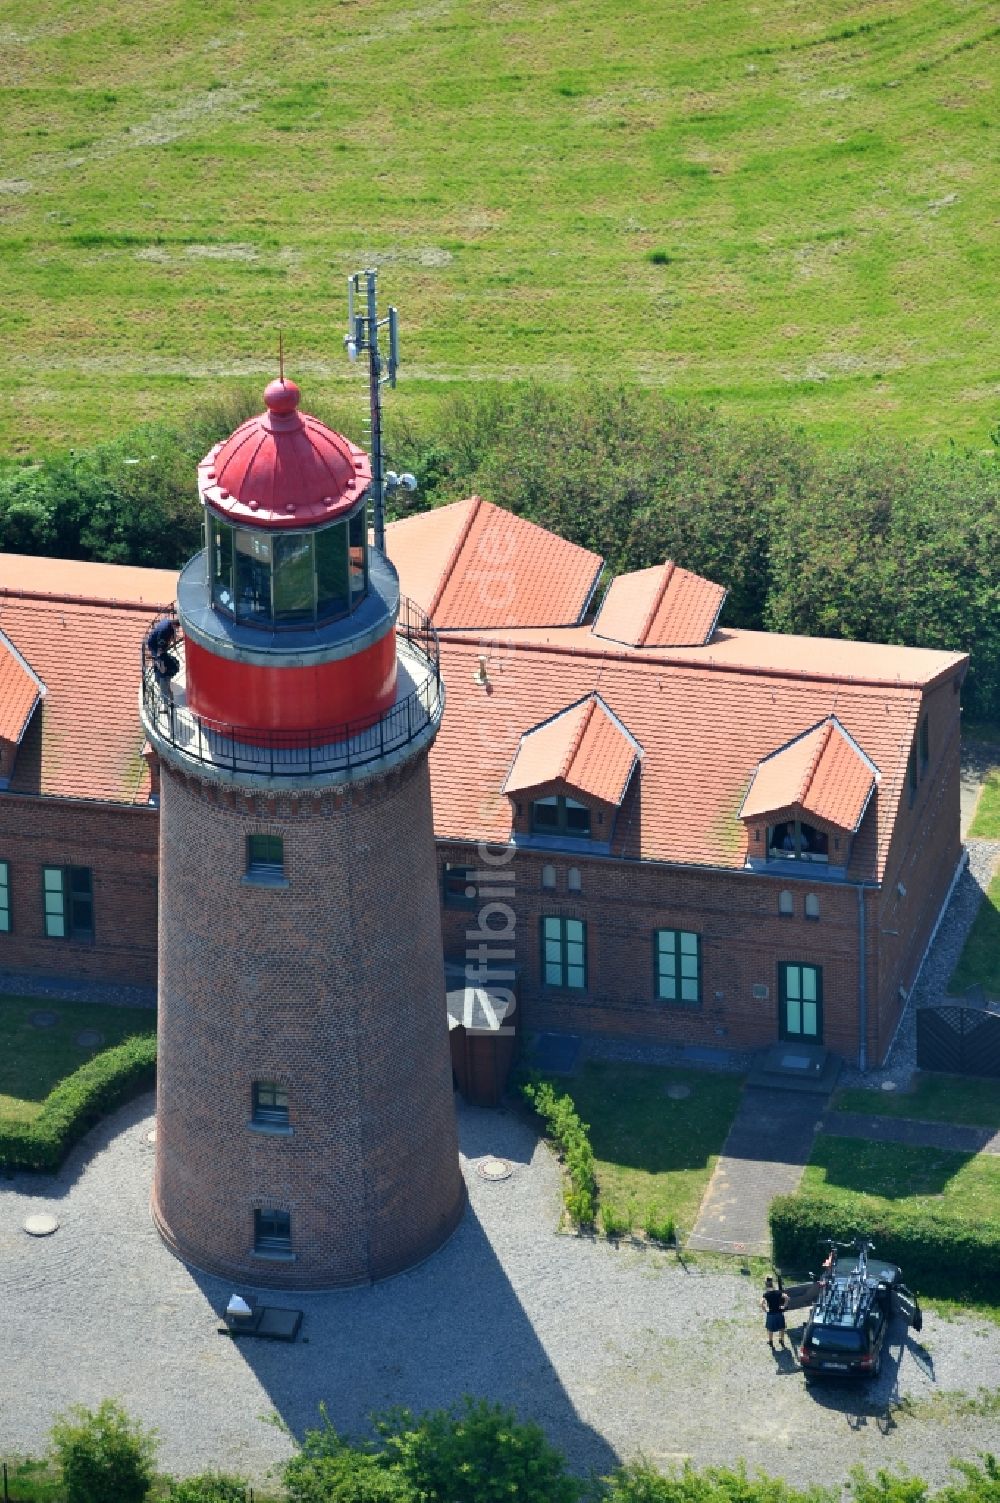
(338, 748)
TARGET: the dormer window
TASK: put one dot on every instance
(558, 815)
(794, 840)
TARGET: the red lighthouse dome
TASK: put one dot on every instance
(284, 468)
(288, 616)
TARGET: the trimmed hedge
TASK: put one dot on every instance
(76, 1103)
(938, 1254)
(570, 1136)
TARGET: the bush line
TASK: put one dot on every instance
(73, 1106)
(570, 1136)
(938, 1255)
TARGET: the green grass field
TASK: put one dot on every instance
(986, 820)
(33, 1060)
(933, 1098)
(964, 1187)
(783, 210)
(651, 1151)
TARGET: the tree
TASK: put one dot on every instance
(104, 1456)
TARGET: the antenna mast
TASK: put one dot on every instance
(362, 337)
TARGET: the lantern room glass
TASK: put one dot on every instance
(288, 579)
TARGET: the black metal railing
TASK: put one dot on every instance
(271, 753)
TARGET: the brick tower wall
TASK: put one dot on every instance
(332, 986)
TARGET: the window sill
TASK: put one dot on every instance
(263, 879)
(272, 1129)
(272, 1255)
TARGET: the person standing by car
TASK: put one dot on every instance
(773, 1302)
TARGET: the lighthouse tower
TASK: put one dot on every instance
(305, 1121)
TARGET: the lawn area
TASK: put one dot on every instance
(964, 1187)
(986, 821)
(979, 962)
(775, 208)
(651, 1151)
(934, 1098)
(33, 1060)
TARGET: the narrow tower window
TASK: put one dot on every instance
(265, 857)
(272, 1231)
(4, 898)
(270, 1103)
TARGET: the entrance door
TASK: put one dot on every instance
(801, 1003)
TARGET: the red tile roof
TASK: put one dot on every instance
(703, 730)
(660, 607)
(584, 746)
(475, 565)
(20, 691)
(86, 739)
(823, 772)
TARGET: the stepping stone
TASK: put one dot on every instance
(41, 1225)
(43, 1019)
(89, 1038)
(678, 1092)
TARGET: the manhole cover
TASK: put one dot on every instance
(493, 1169)
(89, 1038)
(41, 1225)
(43, 1019)
(888, 1085)
(678, 1092)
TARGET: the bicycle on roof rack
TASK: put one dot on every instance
(855, 1301)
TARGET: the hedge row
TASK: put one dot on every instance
(570, 1136)
(938, 1254)
(76, 1103)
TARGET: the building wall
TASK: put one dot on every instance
(331, 985)
(119, 845)
(743, 939)
(923, 855)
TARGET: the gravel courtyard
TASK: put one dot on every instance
(615, 1352)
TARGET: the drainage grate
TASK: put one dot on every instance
(493, 1169)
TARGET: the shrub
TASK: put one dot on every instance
(570, 1136)
(104, 1455)
(659, 1226)
(329, 1470)
(641, 1483)
(614, 1223)
(477, 1453)
(76, 1103)
(208, 1487)
(938, 1255)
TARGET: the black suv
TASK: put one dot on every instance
(855, 1301)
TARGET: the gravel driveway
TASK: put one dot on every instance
(616, 1352)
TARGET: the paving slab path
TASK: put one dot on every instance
(953, 1136)
(768, 1146)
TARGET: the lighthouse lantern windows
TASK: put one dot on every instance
(288, 579)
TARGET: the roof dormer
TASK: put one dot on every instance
(20, 691)
(660, 607)
(807, 799)
(570, 773)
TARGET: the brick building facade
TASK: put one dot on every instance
(667, 890)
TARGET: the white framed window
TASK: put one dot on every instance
(574, 881)
(812, 905)
(786, 903)
(548, 876)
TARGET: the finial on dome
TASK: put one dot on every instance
(282, 396)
